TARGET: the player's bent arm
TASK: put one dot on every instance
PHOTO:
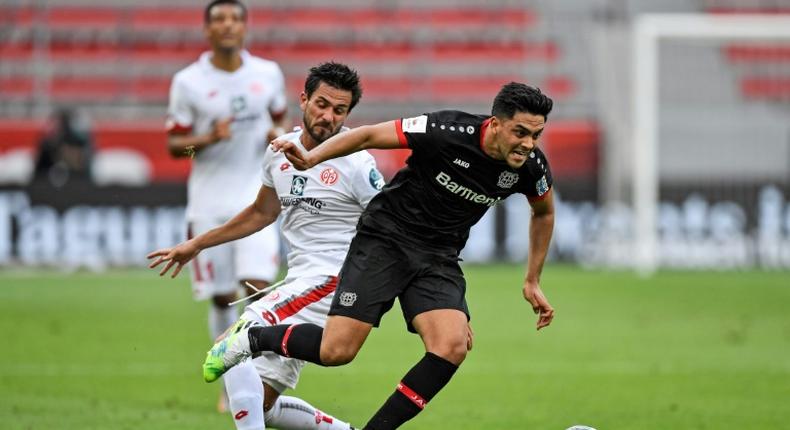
(253, 218)
(185, 145)
(380, 136)
(541, 228)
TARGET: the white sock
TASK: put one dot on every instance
(245, 392)
(291, 413)
(219, 319)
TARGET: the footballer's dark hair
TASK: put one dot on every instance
(207, 11)
(336, 75)
(517, 97)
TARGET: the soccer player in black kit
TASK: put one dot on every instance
(409, 238)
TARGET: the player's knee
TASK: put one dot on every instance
(453, 351)
(337, 355)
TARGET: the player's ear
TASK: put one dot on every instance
(303, 101)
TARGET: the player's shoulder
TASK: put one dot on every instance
(189, 75)
(537, 165)
(449, 117)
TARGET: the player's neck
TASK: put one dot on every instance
(307, 141)
(488, 146)
(228, 61)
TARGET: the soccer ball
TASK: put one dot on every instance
(578, 427)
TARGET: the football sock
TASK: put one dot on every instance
(291, 413)
(219, 319)
(302, 341)
(245, 392)
(416, 389)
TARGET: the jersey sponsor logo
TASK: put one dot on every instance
(310, 205)
(329, 176)
(507, 179)
(375, 178)
(470, 129)
(446, 181)
(347, 298)
(462, 163)
(542, 186)
(298, 184)
(284, 166)
(417, 124)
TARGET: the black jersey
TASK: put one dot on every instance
(448, 182)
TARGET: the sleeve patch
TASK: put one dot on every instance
(417, 124)
(376, 179)
(542, 186)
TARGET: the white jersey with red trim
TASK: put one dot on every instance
(222, 182)
(320, 206)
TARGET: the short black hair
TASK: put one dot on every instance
(517, 97)
(207, 11)
(336, 75)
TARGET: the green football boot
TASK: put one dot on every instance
(229, 351)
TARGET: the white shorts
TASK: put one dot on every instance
(302, 300)
(218, 270)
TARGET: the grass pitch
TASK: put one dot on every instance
(702, 350)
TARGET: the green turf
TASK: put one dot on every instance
(680, 351)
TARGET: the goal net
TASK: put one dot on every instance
(710, 154)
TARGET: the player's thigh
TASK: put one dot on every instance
(212, 270)
(374, 273)
(257, 256)
(441, 285)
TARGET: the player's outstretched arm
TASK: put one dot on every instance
(541, 228)
(381, 136)
(255, 217)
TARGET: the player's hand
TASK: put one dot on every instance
(179, 255)
(469, 336)
(221, 129)
(301, 160)
(541, 306)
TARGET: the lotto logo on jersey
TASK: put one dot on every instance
(418, 124)
(297, 185)
(329, 176)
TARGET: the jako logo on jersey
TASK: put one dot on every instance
(375, 178)
(284, 167)
(297, 185)
(445, 180)
(507, 179)
(542, 186)
(348, 298)
(329, 176)
(462, 163)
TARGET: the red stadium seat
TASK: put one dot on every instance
(84, 17)
(757, 53)
(766, 88)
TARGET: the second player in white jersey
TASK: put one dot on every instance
(319, 209)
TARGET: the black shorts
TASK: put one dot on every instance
(378, 270)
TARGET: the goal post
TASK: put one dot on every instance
(648, 31)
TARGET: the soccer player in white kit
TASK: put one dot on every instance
(223, 111)
(320, 208)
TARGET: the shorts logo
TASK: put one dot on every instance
(297, 185)
(375, 178)
(241, 414)
(542, 186)
(507, 179)
(329, 176)
(347, 298)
